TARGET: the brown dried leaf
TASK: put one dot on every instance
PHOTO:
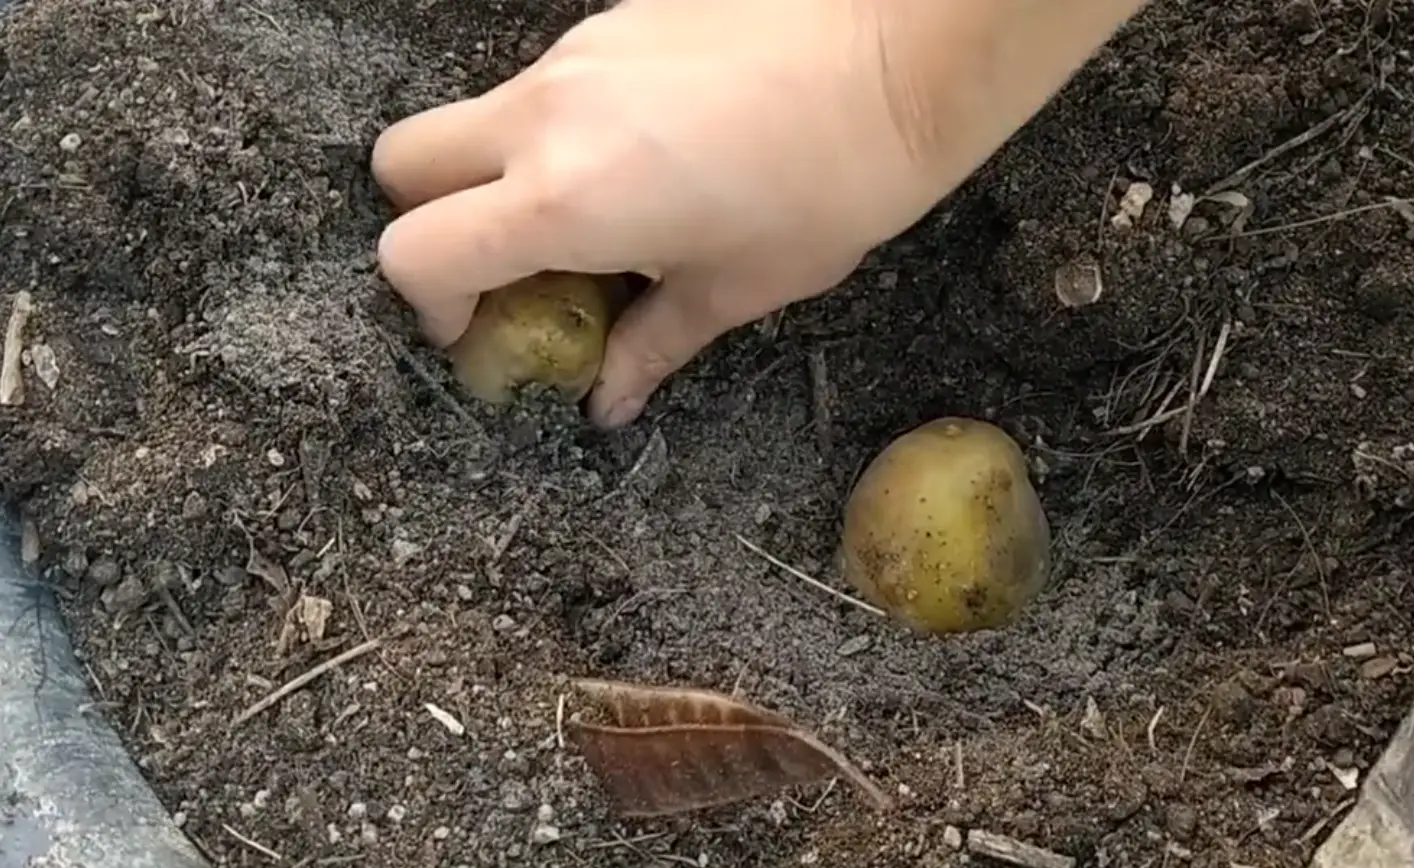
(633, 705)
(669, 751)
(270, 572)
(305, 621)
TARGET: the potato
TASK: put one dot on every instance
(549, 328)
(944, 531)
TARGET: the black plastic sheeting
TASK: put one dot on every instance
(69, 793)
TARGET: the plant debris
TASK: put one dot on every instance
(12, 383)
(673, 750)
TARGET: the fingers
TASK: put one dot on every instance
(443, 254)
(663, 329)
(658, 334)
(445, 149)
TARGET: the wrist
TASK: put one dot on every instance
(962, 76)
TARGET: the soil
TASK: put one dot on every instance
(243, 414)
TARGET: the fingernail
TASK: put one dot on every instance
(622, 412)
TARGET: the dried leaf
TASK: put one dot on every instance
(1403, 207)
(1180, 206)
(305, 621)
(46, 364)
(272, 573)
(633, 705)
(1242, 209)
(1132, 205)
(669, 751)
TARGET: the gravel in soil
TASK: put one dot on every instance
(243, 417)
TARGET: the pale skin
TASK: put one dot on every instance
(743, 154)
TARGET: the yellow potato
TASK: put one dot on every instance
(944, 531)
(549, 328)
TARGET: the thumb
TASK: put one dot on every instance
(659, 333)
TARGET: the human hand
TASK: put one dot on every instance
(743, 154)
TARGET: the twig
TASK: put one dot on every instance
(1289, 145)
(1321, 824)
(168, 600)
(1315, 221)
(1316, 560)
(1153, 725)
(254, 845)
(1105, 209)
(957, 764)
(300, 681)
(820, 404)
(1188, 754)
(812, 582)
(1157, 419)
(1396, 155)
(1218, 348)
(1013, 852)
(12, 382)
(508, 535)
(1193, 381)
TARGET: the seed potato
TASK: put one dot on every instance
(944, 530)
(549, 328)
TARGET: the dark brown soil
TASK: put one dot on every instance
(235, 377)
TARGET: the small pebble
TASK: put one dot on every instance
(544, 833)
(357, 811)
(404, 551)
(70, 143)
(397, 813)
(194, 506)
(441, 833)
(515, 796)
(952, 837)
(105, 571)
(855, 645)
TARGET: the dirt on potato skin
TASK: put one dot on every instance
(233, 375)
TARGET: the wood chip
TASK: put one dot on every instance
(12, 381)
(1014, 852)
(1379, 667)
(1361, 651)
(445, 718)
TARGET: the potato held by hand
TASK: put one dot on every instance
(549, 328)
(944, 530)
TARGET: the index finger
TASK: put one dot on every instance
(443, 254)
(444, 149)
